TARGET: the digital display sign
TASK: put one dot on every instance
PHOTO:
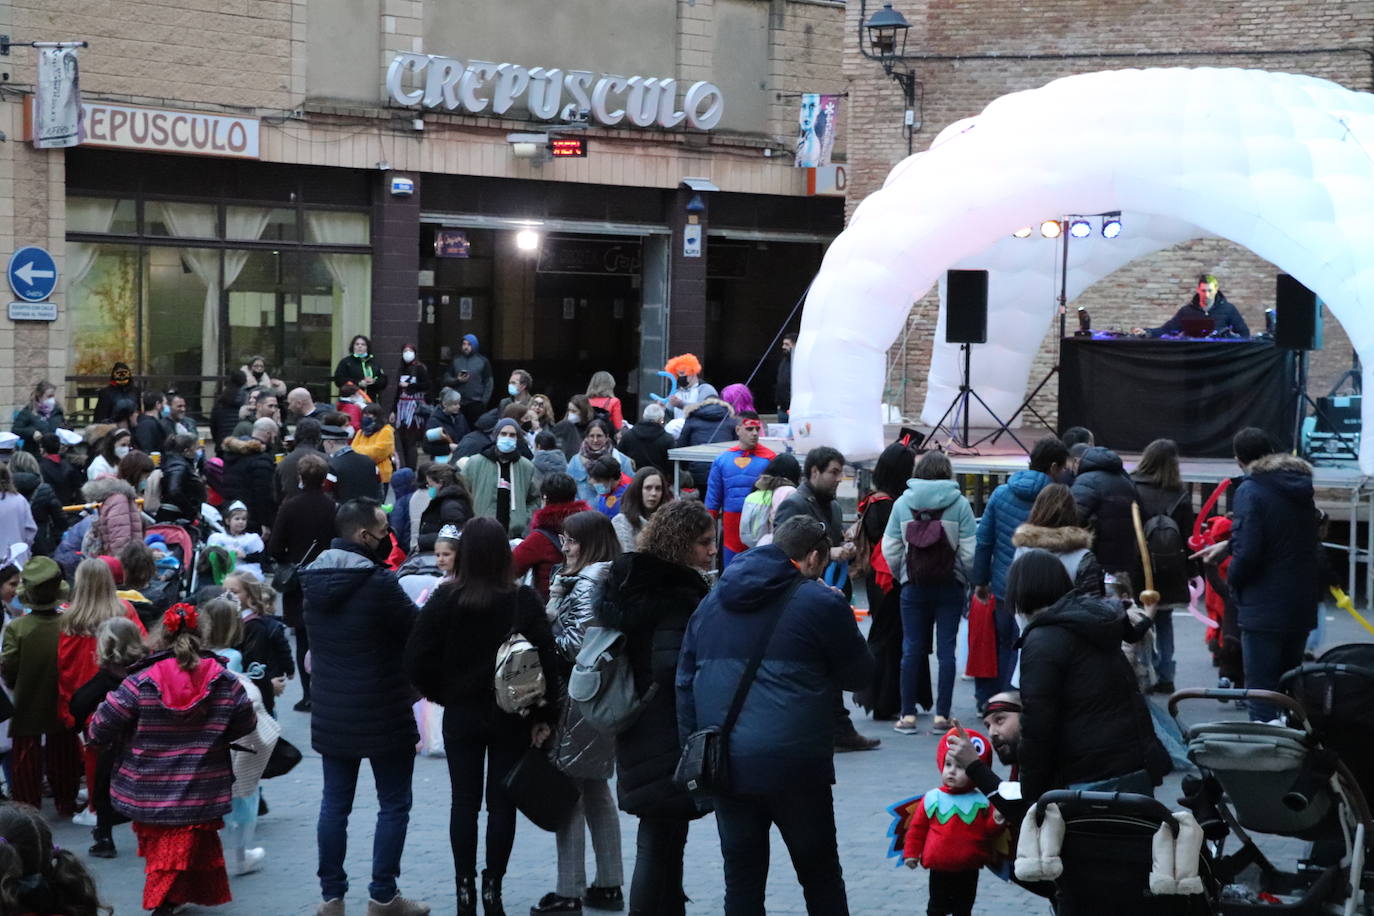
(567, 147)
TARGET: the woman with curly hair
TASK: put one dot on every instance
(650, 596)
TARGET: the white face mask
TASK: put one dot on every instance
(408, 355)
(573, 416)
(121, 451)
(50, 403)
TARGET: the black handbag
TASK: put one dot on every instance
(286, 578)
(542, 792)
(285, 756)
(703, 770)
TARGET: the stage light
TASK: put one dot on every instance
(1080, 229)
(1051, 228)
(1111, 225)
(1022, 233)
(527, 240)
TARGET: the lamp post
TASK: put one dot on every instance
(887, 33)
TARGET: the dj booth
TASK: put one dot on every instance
(1197, 392)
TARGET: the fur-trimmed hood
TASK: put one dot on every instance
(100, 489)
(1055, 540)
(1279, 461)
(710, 409)
(237, 446)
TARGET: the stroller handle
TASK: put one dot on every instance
(1232, 693)
(1124, 803)
(1325, 668)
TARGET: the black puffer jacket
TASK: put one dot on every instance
(450, 506)
(1084, 718)
(1104, 495)
(183, 492)
(250, 476)
(712, 420)
(454, 424)
(46, 509)
(1275, 572)
(651, 600)
(358, 620)
(647, 444)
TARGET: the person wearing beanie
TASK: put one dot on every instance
(470, 376)
(952, 830)
(28, 663)
(502, 480)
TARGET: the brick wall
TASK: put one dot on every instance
(804, 57)
(1148, 290)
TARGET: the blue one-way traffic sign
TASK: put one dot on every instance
(33, 274)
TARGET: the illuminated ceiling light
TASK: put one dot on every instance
(527, 240)
(1051, 228)
(1022, 233)
(1111, 225)
(1080, 228)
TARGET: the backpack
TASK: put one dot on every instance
(929, 554)
(602, 683)
(755, 517)
(1168, 553)
(869, 555)
(519, 678)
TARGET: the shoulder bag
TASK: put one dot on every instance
(286, 578)
(703, 770)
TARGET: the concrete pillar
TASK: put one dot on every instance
(395, 268)
(687, 278)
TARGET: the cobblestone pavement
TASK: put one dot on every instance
(868, 782)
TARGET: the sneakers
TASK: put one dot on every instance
(251, 861)
(333, 907)
(906, 725)
(856, 742)
(553, 903)
(604, 898)
(84, 818)
(396, 906)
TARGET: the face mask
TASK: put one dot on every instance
(49, 403)
(408, 355)
(370, 425)
(121, 451)
(601, 488)
(382, 549)
(362, 355)
(432, 491)
(512, 390)
(143, 485)
(166, 411)
(505, 445)
(682, 381)
(573, 416)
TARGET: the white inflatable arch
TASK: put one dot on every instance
(1279, 163)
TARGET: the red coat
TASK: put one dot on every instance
(953, 844)
(77, 664)
(542, 552)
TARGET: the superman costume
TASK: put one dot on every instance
(730, 482)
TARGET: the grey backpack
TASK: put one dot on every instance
(602, 683)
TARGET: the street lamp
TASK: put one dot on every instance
(887, 33)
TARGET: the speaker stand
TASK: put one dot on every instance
(1302, 401)
(960, 406)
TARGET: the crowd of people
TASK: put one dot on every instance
(402, 544)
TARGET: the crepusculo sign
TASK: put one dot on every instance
(447, 84)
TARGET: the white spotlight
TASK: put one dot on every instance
(527, 240)
(1111, 225)
(1080, 229)
(1051, 228)
(1022, 233)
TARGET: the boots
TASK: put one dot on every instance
(467, 896)
(491, 895)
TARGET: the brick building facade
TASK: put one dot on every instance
(965, 55)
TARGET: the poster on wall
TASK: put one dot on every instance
(451, 243)
(816, 124)
(57, 105)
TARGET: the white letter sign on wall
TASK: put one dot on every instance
(445, 83)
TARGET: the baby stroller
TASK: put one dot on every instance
(1117, 853)
(1280, 780)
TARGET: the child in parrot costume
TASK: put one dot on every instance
(952, 830)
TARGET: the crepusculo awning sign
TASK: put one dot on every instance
(549, 93)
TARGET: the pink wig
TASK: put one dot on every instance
(739, 397)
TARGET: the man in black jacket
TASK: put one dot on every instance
(1104, 493)
(1207, 302)
(647, 443)
(359, 619)
(783, 388)
(355, 475)
(149, 433)
(307, 442)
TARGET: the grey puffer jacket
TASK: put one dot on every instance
(580, 750)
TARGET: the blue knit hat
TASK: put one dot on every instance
(471, 339)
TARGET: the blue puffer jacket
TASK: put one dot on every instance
(784, 737)
(730, 483)
(359, 620)
(1275, 572)
(1008, 507)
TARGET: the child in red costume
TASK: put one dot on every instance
(954, 832)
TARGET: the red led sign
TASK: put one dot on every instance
(567, 147)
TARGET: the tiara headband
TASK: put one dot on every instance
(449, 533)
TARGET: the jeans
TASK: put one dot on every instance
(656, 888)
(1164, 643)
(474, 736)
(1267, 656)
(806, 819)
(1007, 632)
(930, 611)
(392, 774)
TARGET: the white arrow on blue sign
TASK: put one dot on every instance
(33, 274)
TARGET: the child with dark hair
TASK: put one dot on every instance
(35, 875)
(174, 718)
(264, 645)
